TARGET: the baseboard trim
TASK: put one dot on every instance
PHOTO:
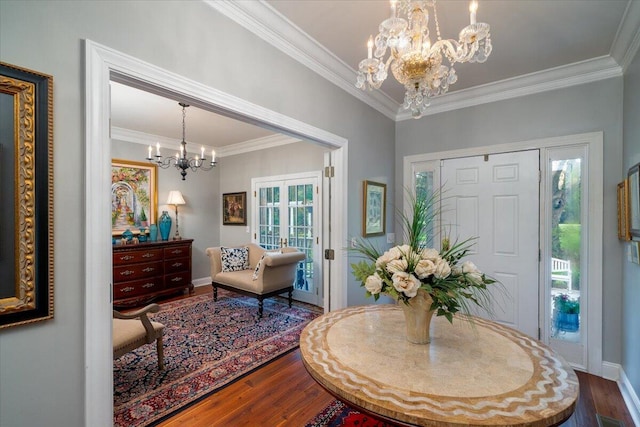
(630, 397)
(611, 371)
(203, 281)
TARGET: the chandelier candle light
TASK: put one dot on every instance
(181, 161)
(415, 61)
(175, 198)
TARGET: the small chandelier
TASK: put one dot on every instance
(415, 61)
(181, 161)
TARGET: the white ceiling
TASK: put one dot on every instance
(537, 45)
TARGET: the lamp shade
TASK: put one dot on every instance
(175, 198)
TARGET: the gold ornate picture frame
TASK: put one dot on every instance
(623, 211)
(26, 185)
(234, 208)
(374, 209)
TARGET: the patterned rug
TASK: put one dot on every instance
(337, 414)
(207, 345)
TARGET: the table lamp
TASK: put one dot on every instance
(175, 198)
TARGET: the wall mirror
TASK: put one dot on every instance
(26, 190)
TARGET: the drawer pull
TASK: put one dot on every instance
(176, 264)
(177, 279)
(127, 272)
(148, 285)
(126, 257)
(148, 269)
(148, 255)
(127, 289)
(176, 251)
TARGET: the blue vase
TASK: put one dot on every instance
(164, 224)
(153, 233)
(127, 235)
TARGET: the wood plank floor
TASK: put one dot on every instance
(282, 393)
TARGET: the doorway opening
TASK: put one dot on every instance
(102, 65)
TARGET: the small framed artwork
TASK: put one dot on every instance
(623, 211)
(134, 195)
(633, 197)
(374, 209)
(234, 208)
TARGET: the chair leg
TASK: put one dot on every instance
(260, 307)
(290, 297)
(215, 293)
(160, 349)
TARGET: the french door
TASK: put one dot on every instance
(286, 213)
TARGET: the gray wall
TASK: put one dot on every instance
(630, 271)
(42, 365)
(579, 109)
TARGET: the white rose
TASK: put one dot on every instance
(388, 256)
(443, 270)
(472, 273)
(395, 252)
(397, 266)
(430, 254)
(425, 268)
(469, 267)
(405, 250)
(407, 283)
(373, 284)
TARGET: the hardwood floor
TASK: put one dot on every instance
(282, 393)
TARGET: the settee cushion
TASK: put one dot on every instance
(256, 272)
(234, 259)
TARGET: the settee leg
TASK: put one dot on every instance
(260, 307)
(215, 293)
(290, 297)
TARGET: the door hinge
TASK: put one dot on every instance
(539, 176)
(539, 255)
(539, 333)
(255, 193)
(329, 254)
(255, 236)
(329, 172)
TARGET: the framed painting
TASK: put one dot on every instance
(623, 211)
(134, 195)
(234, 208)
(26, 189)
(374, 209)
(633, 197)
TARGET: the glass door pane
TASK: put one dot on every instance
(566, 243)
(301, 232)
(269, 236)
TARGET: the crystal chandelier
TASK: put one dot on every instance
(415, 61)
(181, 161)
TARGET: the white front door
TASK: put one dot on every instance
(496, 199)
(286, 212)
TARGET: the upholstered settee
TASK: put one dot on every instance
(252, 270)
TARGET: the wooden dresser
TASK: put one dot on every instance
(146, 271)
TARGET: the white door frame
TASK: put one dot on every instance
(594, 142)
(103, 64)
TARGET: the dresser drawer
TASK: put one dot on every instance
(137, 287)
(136, 271)
(177, 279)
(177, 252)
(132, 257)
(176, 265)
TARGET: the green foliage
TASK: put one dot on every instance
(564, 304)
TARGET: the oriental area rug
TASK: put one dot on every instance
(337, 414)
(207, 345)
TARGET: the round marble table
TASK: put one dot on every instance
(471, 374)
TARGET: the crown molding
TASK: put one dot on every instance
(268, 24)
(627, 40)
(564, 76)
(271, 26)
(142, 138)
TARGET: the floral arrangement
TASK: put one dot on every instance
(403, 270)
(564, 304)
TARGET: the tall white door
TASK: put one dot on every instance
(286, 212)
(496, 198)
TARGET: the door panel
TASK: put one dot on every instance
(287, 214)
(496, 200)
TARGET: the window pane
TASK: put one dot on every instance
(566, 237)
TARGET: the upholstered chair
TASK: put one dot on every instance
(134, 329)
